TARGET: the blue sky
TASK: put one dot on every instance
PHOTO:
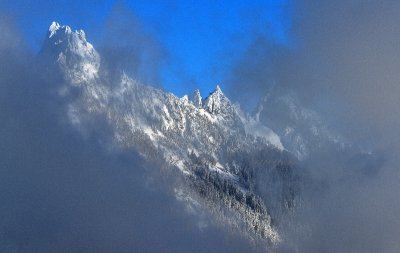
(202, 38)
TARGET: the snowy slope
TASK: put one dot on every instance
(208, 142)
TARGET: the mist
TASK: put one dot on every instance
(61, 192)
(342, 62)
(127, 46)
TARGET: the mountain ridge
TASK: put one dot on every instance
(231, 165)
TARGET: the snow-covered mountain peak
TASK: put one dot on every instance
(58, 31)
(217, 92)
(54, 27)
(218, 89)
(63, 37)
(217, 102)
(210, 142)
(184, 99)
(72, 52)
(197, 99)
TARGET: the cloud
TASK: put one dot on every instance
(342, 61)
(62, 193)
(126, 46)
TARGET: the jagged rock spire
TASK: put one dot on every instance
(218, 89)
(77, 58)
(197, 99)
(216, 101)
(57, 29)
(53, 28)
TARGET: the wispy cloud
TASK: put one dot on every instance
(62, 193)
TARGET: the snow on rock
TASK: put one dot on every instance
(254, 127)
(216, 102)
(77, 58)
(53, 28)
(200, 139)
(196, 99)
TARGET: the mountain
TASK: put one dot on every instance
(226, 163)
(301, 130)
(76, 57)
